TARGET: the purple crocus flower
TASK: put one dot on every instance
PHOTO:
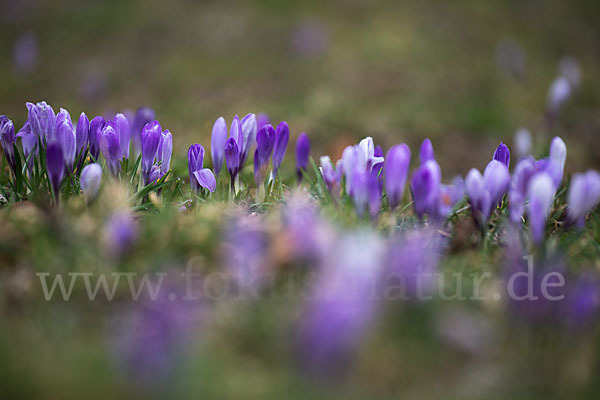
(232, 159)
(55, 166)
(302, 154)
(29, 142)
(265, 140)
(396, 171)
(108, 140)
(236, 133)
(583, 301)
(143, 115)
(502, 154)
(165, 150)
(332, 176)
(450, 195)
(367, 147)
(282, 135)
(262, 120)
(217, 144)
(122, 126)
(42, 119)
(199, 176)
(485, 192)
(65, 136)
(8, 139)
(426, 152)
(249, 129)
(82, 132)
(151, 138)
(583, 196)
(342, 307)
(90, 179)
(366, 192)
(541, 195)
(522, 174)
(120, 233)
(96, 126)
(425, 186)
(353, 158)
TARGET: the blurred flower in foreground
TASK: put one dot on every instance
(91, 176)
(584, 195)
(25, 53)
(120, 233)
(341, 306)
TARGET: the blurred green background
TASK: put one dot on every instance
(466, 74)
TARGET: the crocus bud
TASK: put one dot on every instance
(165, 150)
(502, 154)
(396, 167)
(496, 181)
(195, 163)
(426, 152)
(249, 136)
(217, 143)
(82, 132)
(96, 126)
(374, 195)
(558, 151)
(302, 154)
(367, 147)
(524, 170)
(232, 158)
(29, 142)
(584, 195)
(65, 135)
(331, 175)
(425, 186)
(42, 119)
(281, 141)
(108, 141)
(522, 142)
(143, 115)
(122, 127)
(265, 140)
(8, 139)
(55, 166)
(90, 179)
(236, 133)
(352, 158)
(151, 137)
(541, 194)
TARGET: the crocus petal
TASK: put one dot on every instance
(425, 186)
(232, 157)
(282, 135)
(151, 137)
(426, 152)
(302, 153)
(496, 180)
(55, 165)
(522, 142)
(96, 126)
(122, 127)
(195, 162)
(206, 179)
(217, 143)
(265, 140)
(583, 196)
(82, 132)
(249, 134)
(502, 154)
(541, 194)
(396, 170)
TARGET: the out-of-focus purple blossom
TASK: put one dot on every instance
(122, 126)
(199, 176)
(332, 176)
(282, 136)
(143, 115)
(554, 164)
(502, 154)
(55, 166)
(25, 53)
(583, 196)
(151, 138)
(232, 159)
(570, 69)
(262, 120)
(42, 119)
(82, 131)
(523, 142)
(541, 195)
(396, 171)
(309, 234)
(8, 139)
(108, 140)
(426, 152)
(120, 233)
(450, 195)
(96, 127)
(342, 306)
(583, 301)
(560, 91)
(217, 144)
(302, 154)
(248, 124)
(90, 179)
(412, 261)
(65, 136)
(310, 39)
(425, 186)
(517, 194)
